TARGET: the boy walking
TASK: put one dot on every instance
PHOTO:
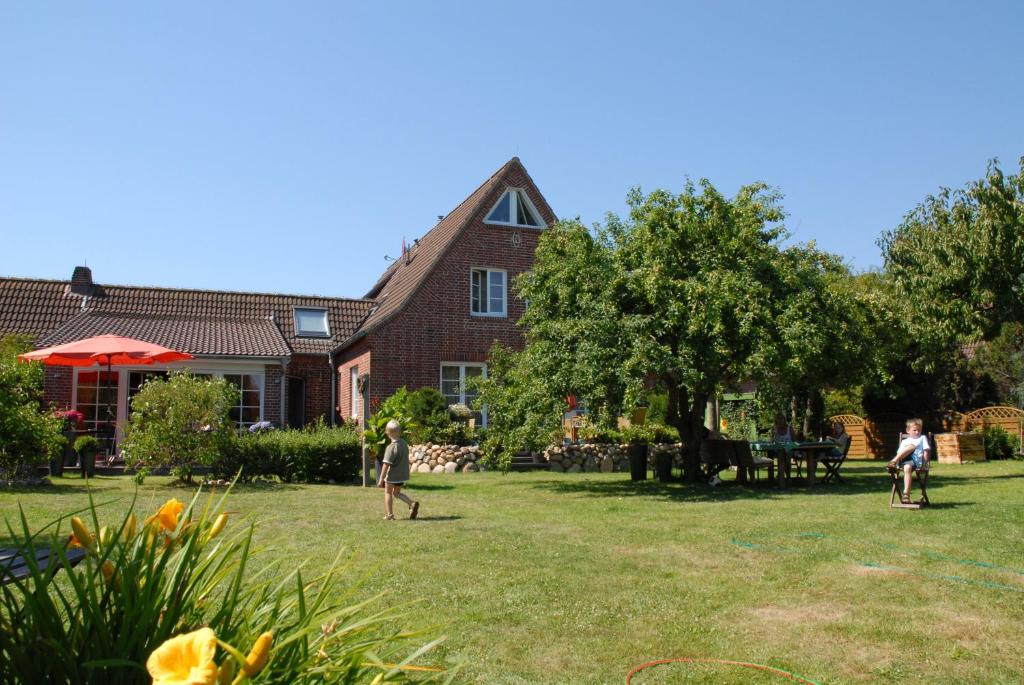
(394, 473)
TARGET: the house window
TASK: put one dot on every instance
(311, 323)
(354, 383)
(515, 209)
(453, 387)
(250, 398)
(488, 292)
(135, 381)
(96, 398)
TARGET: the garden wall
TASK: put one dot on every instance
(592, 458)
(431, 458)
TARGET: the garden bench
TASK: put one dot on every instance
(14, 565)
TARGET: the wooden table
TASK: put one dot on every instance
(782, 453)
(14, 564)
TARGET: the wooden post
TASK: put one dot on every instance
(364, 398)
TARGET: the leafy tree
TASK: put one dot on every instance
(28, 434)
(957, 263)
(180, 422)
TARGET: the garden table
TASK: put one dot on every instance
(14, 565)
(782, 453)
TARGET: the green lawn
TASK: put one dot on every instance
(576, 578)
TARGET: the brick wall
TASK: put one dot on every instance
(57, 381)
(272, 394)
(436, 325)
(358, 356)
(316, 372)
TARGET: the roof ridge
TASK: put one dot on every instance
(191, 290)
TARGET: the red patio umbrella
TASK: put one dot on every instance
(109, 350)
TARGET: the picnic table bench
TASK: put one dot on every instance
(14, 565)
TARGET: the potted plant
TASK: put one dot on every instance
(87, 446)
(73, 421)
(637, 438)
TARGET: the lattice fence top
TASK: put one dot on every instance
(847, 419)
(995, 413)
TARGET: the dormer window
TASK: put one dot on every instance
(311, 323)
(515, 209)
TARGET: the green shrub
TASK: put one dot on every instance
(28, 435)
(87, 443)
(999, 444)
(394, 408)
(315, 454)
(178, 574)
(180, 422)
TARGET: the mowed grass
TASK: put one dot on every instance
(577, 578)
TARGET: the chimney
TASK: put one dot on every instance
(81, 281)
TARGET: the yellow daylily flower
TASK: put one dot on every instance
(185, 660)
(217, 527)
(107, 568)
(258, 655)
(168, 514)
(82, 536)
(105, 537)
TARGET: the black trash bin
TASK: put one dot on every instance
(638, 462)
(663, 466)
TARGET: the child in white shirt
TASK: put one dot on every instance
(913, 455)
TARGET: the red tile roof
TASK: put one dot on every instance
(39, 307)
(198, 336)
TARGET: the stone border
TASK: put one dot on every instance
(431, 458)
(606, 458)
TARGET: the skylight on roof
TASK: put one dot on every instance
(311, 323)
(514, 209)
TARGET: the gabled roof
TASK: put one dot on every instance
(198, 336)
(402, 279)
(39, 307)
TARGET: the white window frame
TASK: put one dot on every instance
(462, 383)
(295, 321)
(513, 206)
(503, 314)
(353, 379)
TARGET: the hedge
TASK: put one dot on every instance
(317, 454)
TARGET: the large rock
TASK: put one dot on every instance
(470, 467)
(450, 467)
(590, 465)
(607, 465)
(575, 468)
(556, 466)
(423, 468)
(438, 469)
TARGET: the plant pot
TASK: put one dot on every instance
(638, 461)
(70, 455)
(57, 466)
(663, 466)
(87, 463)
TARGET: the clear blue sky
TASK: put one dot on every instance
(289, 146)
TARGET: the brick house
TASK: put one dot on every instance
(430, 320)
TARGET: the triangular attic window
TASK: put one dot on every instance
(514, 203)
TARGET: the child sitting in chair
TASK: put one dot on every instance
(912, 455)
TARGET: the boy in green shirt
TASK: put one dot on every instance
(395, 473)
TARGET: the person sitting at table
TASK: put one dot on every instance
(841, 438)
(781, 432)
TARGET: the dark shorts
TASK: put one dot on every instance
(397, 484)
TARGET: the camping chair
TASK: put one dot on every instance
(921, 475)
(715, 456)
(748, 464)
(833, 463)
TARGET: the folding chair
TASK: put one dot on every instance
(832, 464)
(748, 463)
(921, 475)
